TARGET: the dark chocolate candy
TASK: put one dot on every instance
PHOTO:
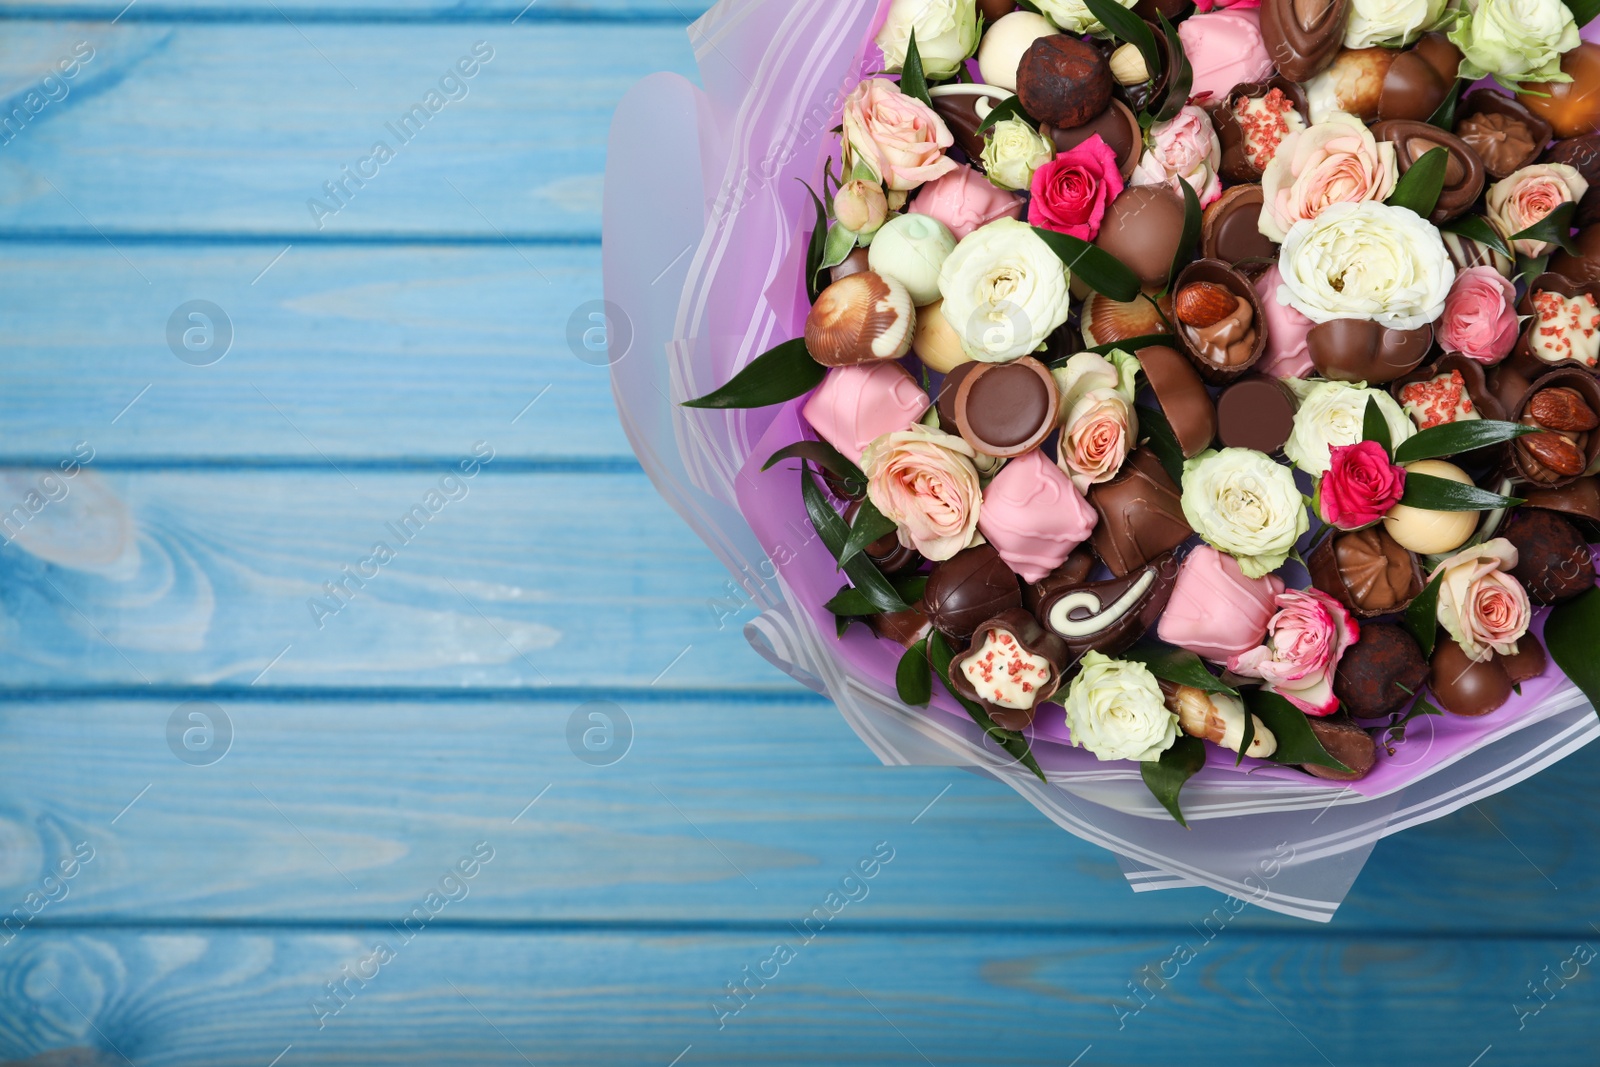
(1553, 560)
(1004, 409)
(1236, 163)
(1001, 672)
(973, 585)
(1148, 9)
(1419, 79)
(1360, 350)
(1506, 135)
(1579, 499)
(945, 401)
(1583, 155)
(1255, 412)
(1063, 81)
(1345, 742)
(1117, 126)
(1192, 341)
(1528, 661)
(1075, 570)
(1141, 515)
(995, 10)
(905, 628)
(1367, 571)
(1464, 687)
(1183, 397)
(1380, 673)
(958, 104)
(1149, 94)
(887, 552)
(854, 263)
(1108, 616)
(1230, 231)
(1585, 266)
(1142, 228)
(1302, 36)
(1463, 172)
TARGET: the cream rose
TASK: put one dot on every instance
(1390, 22)
(1013, 151)
(899, 138)
(1004, 291)
(1115, 710)
(925, 481)
(1523, 197)
(1332, 413)
(1481, 605)
(1098, 421)
(1365, 261)
(1073, 15)
(1246, 504)
(947, 33)
(1515, 40)
(1336, 161)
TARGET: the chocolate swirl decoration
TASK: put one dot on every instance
(1107, 616)
(964, 107)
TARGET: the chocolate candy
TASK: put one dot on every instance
(1353, 83)
(1141, 516)
(1418, 80)
(1345, 742)
(1140, 91)
(1013, 666)
(887, 552)
(1571, 108)
(970, 586)
(1463, 171)
(1446, 391)
(1074, 570)
(1302, 36)
(1367, 571)
(905, 628)
(995, 10)
(1117, 126)
(1464, 687)
(1506, 135)
(1585, 266)
(1105, 320)
(1583, 155)
(1380, 673)
(1553, 560)
(1360, 350)
(1252, 121)
(1561, 453)
(1182, 396)
(1255, 412)
(1142, 228)
(1465, 253)
(964, 107)
(859, 319)
(1001, 409)
(1230, 231)
(1108, 616)
(1063, 81)
(854, 263)
(1148, 9)
(1222, 347)
(1580, 498)
(1429, 532)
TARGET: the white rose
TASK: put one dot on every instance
(1366, 260)
(1246, 504)
(1516, 40)
(1013, 152)
(1390, 22)
(1333, 413)
(1115, 710)
(947, 33)
(1004, 291)
(1073, 15)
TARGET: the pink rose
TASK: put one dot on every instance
(964, 200)
(1203, 6)
(1480, 316)
(1481, 605)
(1098, 422)
(1332, 162)
(1360, 486)
(1070, 193)
(1185, 146)
(925, 481)
(1516, 202)
(1304, 642)
(902, 139)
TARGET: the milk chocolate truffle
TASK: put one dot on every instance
(1583, 155)
(1230, 231)
(1183, 397)
(1255, 412)
(1585, 266)
(973, 585)
(1464, 687)
(860, 319)
(1571, 108)
(1360, 350)
(1418, 80)
(1013, 666)
(1506, 135)
(1141, 516)
(1117, 126)
(1380, 673)
(1553, 561)
(1142, 228)
(1108, 616)
(1220, 324)
(1003, 409)
(1367, 571)
(891, 557)
(1345, 742)
(1252, 121)
(963, 107)
(1463, 171)
(1302, 36)
(1063, 81)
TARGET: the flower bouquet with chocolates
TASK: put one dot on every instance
(1187, 412)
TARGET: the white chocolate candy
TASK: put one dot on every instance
(1000, 54)
(1003, 672)
(1429, 533)
(911, 249)
(1095, 616)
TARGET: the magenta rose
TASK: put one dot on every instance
(1304, 642)
(1360, 486)
(1070, 193)
(1480, 316)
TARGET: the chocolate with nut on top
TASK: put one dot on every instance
(1012, 666)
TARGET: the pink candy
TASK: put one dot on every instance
(964, 200)
(855, 405)
(1225, 49)
(1034, 516)
(1215, 611)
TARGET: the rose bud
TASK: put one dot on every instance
(860, 206)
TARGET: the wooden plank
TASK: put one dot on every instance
(270, 112)
(336, 811)
(220, 998)
(355, 353)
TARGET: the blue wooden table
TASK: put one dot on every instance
(320, 541)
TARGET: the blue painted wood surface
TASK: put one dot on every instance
(372, 744)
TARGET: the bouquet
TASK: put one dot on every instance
(1187, 413)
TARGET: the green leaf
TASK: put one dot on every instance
(1176, 665)
(1421, 619)
(1583, 11)
(1191, 231)
(1178, 764)
(852, 602)
(1419, 187)
(1396, 731)
(818, 246)
(1444, 116)
(1571, 634)
(912, 82)
(1181, 77)
(870, 525)
(1374, 427)
(1441, 494)
(1016, 745)
(1009, 108)
(828, 458)
(1099, 269)
(1555, 228)
(1126, 26)
(834, 533)
(913, 679)
(1133, 344)
(773, 377)
(1163, 442)
(840, 243)
(1028, 5)
(1478, 229)
(1296, 743)
(1452, 438)
(1246, 738)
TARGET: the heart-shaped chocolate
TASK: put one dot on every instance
(1360, 350)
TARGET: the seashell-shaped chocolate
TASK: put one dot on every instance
(1583, 155)
(1367, 571)
(1462, 686)
(1302, 36)
(964, 106)
(1463, 171)
(1237, 165)
(1183, 397)
(1230, 230)
(861, 318)
(1063, 81)
(1002, 409)
(1419, 79)
(1013, 666)
(1105, 320)
(1524, 450)
(1582, 342)
(1141, 515)
(1506, 135)
(1117, 126)
(1360, 350)
(1199, 345)
(1107, 616)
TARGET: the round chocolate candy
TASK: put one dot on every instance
(1381, 672)
(973, 585)
(1463, 686)
(1572, 108)
(1117, 126)
(1063, 81)
(1553, 560)
(1431, 532)
(1302, 36)
(1506, 135)
(1230, 231)
(1367, 571)
(1142, 228)
(1003, 409)
(1006, 41)
(1255, 412)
